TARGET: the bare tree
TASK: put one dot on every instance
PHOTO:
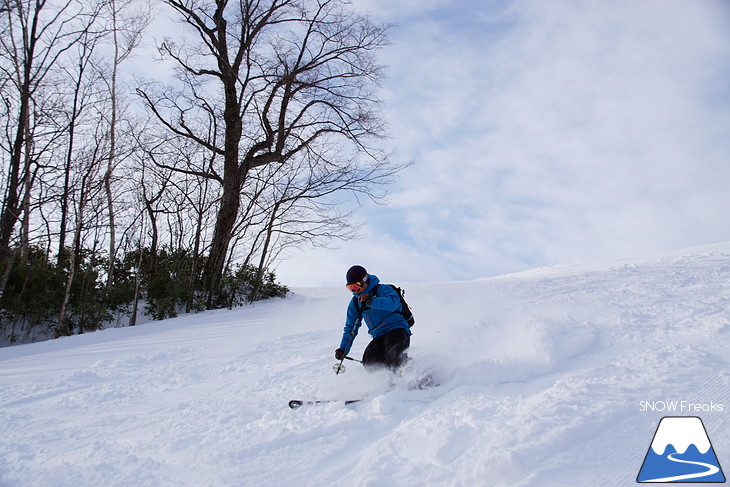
(87, 187)
(300, 207)
(128, 22)
(293, 77)
(80, 97)
(37, 34)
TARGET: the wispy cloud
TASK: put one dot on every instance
(551, 132)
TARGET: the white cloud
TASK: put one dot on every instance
(577, 135)
(550, 132)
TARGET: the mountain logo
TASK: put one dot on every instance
(680, 452)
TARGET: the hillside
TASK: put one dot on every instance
(553, 377)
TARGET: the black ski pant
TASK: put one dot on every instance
(387, 351)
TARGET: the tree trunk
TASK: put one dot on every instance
(226, 220)
(112, 150)
(233, 174)
(71, 270)
(264, 253)
(11, 207)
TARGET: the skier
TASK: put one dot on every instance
(380, 309)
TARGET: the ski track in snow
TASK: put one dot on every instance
(542, 374)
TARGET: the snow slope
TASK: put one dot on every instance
(553, 377)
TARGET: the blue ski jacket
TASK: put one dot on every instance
(381, 315)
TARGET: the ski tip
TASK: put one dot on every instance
(295, 404)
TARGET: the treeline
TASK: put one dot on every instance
(159, 286)
(132, 185)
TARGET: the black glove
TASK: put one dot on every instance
(340, 354)
(366, 299)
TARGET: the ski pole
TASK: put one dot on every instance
(339, 367)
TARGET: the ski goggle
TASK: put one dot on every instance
(355, 287)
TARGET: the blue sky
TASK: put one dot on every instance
(544, 133)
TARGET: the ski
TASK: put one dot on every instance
(296, 404)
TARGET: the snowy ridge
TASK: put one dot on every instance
(542, 374)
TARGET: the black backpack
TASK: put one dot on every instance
(405, 309)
